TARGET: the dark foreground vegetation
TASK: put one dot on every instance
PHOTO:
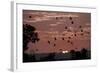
(72, 55)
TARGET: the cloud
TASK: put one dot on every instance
(54, 24)
(87, 29)
(43, 16)
(36, 20)
(87, 24)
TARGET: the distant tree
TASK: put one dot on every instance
(28, 58)
(29, 35)
(50, 57)
(84, 53)
(78, 55)
(73, 54)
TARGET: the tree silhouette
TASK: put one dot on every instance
(50, 57)
(73, 54)
(78, 55)
(84, 53)
(29, 35)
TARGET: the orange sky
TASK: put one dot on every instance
(72, 30)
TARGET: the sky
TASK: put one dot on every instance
(59, 31)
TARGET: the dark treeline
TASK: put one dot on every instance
(72, 55)
(83, 54)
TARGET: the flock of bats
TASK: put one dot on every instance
(69, 38)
